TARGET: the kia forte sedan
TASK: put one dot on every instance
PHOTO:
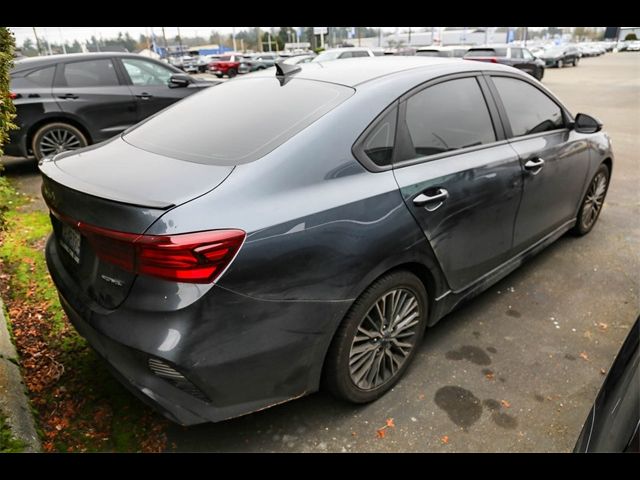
(225, 264)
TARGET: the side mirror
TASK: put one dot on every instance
(179, 80)
(586, 124)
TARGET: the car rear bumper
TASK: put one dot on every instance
(240, 354)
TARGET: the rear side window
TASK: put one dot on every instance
(91, 73)
(42, 77)
(516, 53)
(379, 143)
(360, 54)
(346, 55)
(237, 122)
(487, 52)
(428, 53)
(445, 117)
(528, 109)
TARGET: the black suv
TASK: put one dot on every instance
(560, 56)
(66, 102)
(513, 56)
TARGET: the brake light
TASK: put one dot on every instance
(199, 257)
(13, 95)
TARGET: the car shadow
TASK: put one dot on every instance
(18, 166)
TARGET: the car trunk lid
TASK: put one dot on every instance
(116, 187)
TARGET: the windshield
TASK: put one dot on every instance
(257, 116)
(325, 56)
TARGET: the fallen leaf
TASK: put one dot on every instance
(584, 356)
(353, 434)
(421, 396)
(505, 403)
(603, 326)
(603, 371)
(444, 439)
(380, 433)
(489, 375)
(390, 423)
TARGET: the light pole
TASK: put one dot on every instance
(35, 34)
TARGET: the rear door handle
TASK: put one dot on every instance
(431, 202)
(144, 96)
(534, 165)
(72, 96)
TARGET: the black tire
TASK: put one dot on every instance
(232, 72)
(404, 290)
(219, 75)
(587, 218)
(56, 137)
(560, 63)
(575, 62)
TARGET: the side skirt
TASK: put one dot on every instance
(450, 300)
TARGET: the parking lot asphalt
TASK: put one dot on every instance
(517, 368)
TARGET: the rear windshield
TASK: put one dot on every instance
(237, 122)
(488, 52)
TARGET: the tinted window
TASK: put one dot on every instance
(42, 77)
(259, 115)
(92, 73)
(360, 54)
(516, 53)
(529, 110)
(447, 116)
(143, 72)
(380, 141)
(428, 53)
(346, 55)
(487, 52)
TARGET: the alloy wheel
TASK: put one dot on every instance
(58, 140)
(384, 339)
(594, 200)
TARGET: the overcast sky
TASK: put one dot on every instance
(69, 34)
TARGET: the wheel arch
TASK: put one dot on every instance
(55, 119)
(429, 278)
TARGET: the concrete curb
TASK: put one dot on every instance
(13, 400)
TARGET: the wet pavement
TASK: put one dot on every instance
(518, 367)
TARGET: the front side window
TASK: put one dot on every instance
(447, 116)
(346, 55)
(360, 54)
(91, 73)
(143, 72)
(528, 109)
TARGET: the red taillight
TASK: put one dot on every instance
(13, 95)
(190, 257)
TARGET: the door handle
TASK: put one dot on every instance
(430, 200)
(72, 96)
(144, 96)
(534, 165)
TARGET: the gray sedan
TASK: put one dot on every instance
(307, 238)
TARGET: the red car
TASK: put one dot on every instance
(226, 65)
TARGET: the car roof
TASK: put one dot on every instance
(31, 62)
(346, 49)
(442, 48)
(356, 71)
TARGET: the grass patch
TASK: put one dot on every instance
(8, 443)
(79, 405)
